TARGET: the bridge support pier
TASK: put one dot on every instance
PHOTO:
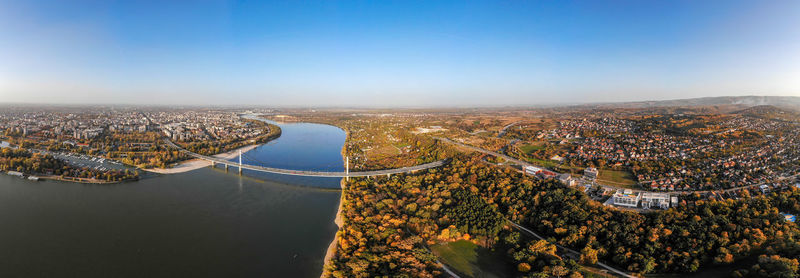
(226, 168)
(213, 164)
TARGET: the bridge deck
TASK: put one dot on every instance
(311, 173)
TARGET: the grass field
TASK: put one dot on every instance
(541, 162)
(531, 148)
(471, 260)
(618, 178)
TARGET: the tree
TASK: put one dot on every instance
(588, 255)
(523, 267)
(559, 271)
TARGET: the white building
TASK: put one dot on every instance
(590, 173)
(567, 179)
(626, 199)
(655, 200)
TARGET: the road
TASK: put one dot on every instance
(507, 158)
(311, 173)
(526, 230)
(568, 250)
(503, 131)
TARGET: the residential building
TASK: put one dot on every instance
(626, 199)
(655, 200)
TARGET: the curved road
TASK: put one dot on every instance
(310, 173)
(505, 128)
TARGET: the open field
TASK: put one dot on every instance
(532, 147)
(472, 260)
(542, 162)
(618, 178)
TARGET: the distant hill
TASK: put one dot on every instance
(770, 112)
(733, 101)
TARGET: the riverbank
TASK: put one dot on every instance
(334, 243)
(78, 180)
(338, 220)
(194, 164)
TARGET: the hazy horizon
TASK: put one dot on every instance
(395, 54)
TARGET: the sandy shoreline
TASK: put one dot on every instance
(332, 247)
(338, 220)
(194, 164)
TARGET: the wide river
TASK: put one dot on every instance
(203, 223)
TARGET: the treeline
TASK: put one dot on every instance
(21, 160)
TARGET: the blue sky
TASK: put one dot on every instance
(395, 53)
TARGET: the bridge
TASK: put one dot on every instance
(345, 174)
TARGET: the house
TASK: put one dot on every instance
(652, 199)
(626, 199)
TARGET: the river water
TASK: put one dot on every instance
(204, 223)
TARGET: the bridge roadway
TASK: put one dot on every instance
(310, 173)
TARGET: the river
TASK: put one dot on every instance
(203, 223)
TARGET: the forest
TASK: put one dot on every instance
(389, 222)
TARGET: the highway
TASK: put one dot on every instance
(310, 173)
